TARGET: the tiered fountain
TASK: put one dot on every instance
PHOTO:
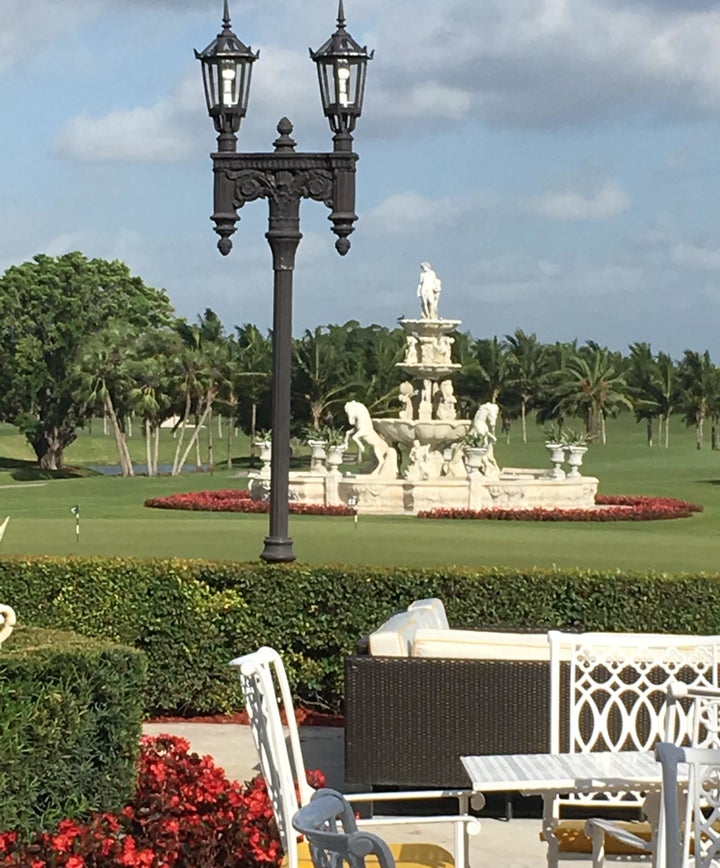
(447, 462)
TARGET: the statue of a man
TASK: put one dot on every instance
(428, 291)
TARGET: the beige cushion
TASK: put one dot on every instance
(437, 610)
(415, 855)
(394, 638)
(480, 645)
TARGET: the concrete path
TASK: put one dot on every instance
(499, 845)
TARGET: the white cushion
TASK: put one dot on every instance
(436, 607)
(480, 645)
(394, 638)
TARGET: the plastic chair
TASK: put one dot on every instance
(696, 838)
(334, 845)
(267, 691)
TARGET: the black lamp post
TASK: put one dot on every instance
(283, 177)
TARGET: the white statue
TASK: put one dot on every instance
(363, 432)
(428, 350)
(419, 462)
(405, 396)
(484, 422)
(411, 354)
(428, 291)
(446, 405)
(443, 348)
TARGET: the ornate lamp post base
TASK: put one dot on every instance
(278, 550)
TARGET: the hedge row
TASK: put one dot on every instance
(192, 617)
(71, 715)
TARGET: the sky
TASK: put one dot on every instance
(556, 161)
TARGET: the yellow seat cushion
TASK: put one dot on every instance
(572, 838)
(405, 856)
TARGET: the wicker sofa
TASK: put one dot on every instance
(418, 695)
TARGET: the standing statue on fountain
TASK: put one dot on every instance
(429, 289)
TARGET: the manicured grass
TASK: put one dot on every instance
(113, 520)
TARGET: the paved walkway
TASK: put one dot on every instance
(499, 845)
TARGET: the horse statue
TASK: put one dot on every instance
(363, 433)
(484, 422)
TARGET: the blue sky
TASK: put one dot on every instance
(557, 161)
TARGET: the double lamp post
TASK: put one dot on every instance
(283, 177)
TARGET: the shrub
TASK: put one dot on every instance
(71, 709)
(192, 617)
(184, 812)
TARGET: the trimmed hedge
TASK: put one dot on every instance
(71, 716)
(192, 617)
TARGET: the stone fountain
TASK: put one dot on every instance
(446, 461)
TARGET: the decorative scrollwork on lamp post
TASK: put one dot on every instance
(283, 177)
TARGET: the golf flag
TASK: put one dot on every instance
(3, 526)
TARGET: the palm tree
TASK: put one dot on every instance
(528, 360)
(106, 381)
(254, 368)
(325, 373)
(151, 367)
(653, 389)
(590, 386)
(698, 379)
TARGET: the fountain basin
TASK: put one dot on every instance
(437, 433)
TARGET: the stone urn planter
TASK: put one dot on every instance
(557, 457)
(335, 458)
(574, 456)
(318, 455)
(474, 459)
(264, 448)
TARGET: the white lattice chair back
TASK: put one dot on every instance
(267, 692)
(690, 836)
(7, 620)
(693, 715)
(615, 695)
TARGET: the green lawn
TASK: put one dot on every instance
(113, 520)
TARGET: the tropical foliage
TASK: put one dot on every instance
(81, 338)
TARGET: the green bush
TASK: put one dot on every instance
(192, 617)
(70, 722)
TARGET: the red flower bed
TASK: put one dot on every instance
(185, 813)
(236, 500)
(608, 508)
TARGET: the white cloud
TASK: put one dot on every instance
(604, 203)
(410, 211)
(161, 133)
(696, 256)
(28, 25)
(176, 127)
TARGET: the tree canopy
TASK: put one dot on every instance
(50, 308)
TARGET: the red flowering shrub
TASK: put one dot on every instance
(236, 500)
(607, 508)
(185, 813)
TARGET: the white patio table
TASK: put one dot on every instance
(547, 775)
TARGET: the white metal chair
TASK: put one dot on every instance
(608, 692)
(334, 844)
(693, 834)
(267, 691)
(692, 718)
